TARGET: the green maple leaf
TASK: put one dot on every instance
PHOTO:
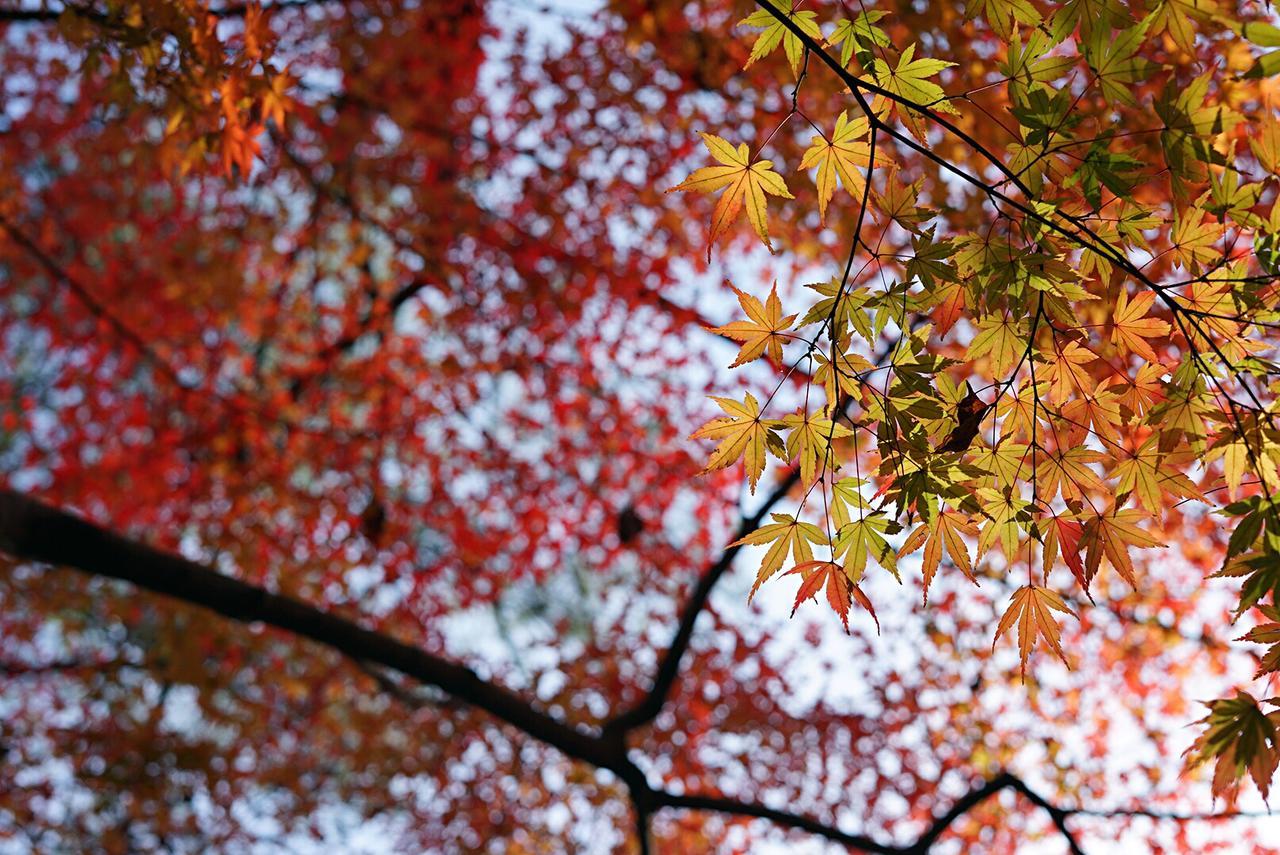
(1115, 61)
(860, 35)
(910, 80)
(1091, 16)
(1117, 171)
(776, 33)
(864, 538)
(809, 440)
(1003, 15)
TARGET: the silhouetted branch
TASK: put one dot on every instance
(922, 845)
(669, 666)
(31, 530)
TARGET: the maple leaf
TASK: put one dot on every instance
(864, 537)
(1092, 16)
(910, 79)
(1266, 633)
(1178, 16)
(900, 202)
(785, 535)
(763, 330)
(1142, 391)
(861, 32)
(1066, 373)
(841, 592)
(1001, 339)
(742, 434)
(1062, 536)
(1008, 514)
(1006, 461)
(1266, 145)
(1193, 240)
(1240, 738)
(1261, 570)
(947, 529)
(1116, 63)
(1032, 609)
(1130, 326)
(1146, 474)
(1003, 15)
(950, 306)
(1227, 197)
(776, 32)
(810, 440)
(1019, 411)
(745, 184)
(1112, 534)
(841, 156)
(1066, 470)
(1119, 172)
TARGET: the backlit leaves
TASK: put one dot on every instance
(785, 536)
(742, 434)
(947, 531)
(862, 539)
(841, 155)
(1050, 336)
(840, 591)
(910, 77)
(744, 184)
(809, 440)
(1131, 328)
(1240, 738)
(776, 33)
(763, 333)
(1032, 610)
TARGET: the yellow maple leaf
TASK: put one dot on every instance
(1130, 326)
(742, 435)
(744, 183)
(839, 156)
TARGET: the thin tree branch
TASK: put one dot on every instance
(669, 667)
(936, 829)
(786, 819)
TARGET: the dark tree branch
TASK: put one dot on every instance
(923, 844)
(786, 819)
(13, 669)
(669, 666)
(642, 807)
(33, 531)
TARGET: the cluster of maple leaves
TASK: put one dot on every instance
(1054, 378)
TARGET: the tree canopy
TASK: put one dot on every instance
(373, 476)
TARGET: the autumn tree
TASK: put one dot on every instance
(373, 477)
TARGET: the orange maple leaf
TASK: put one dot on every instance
(762, 332)
(1032, 608)
(1130, 326)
